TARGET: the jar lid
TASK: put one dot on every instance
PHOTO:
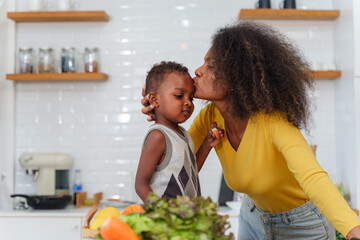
(91, 49)
(68, 48)
(25, 48)
(46, 48)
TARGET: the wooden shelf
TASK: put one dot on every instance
(59, 16)
(288, 14)
(49, 77)
(326, 74)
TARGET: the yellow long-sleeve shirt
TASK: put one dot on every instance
(275, 166)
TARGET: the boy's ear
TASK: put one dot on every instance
(153, 99)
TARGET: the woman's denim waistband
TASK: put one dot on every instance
(280, 217)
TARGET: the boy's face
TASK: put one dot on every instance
(175, 99)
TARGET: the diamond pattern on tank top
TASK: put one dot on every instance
(181, 169)
(172, 189)
(194, 178)
(192, 157)
(183, 177)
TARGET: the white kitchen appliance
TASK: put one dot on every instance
(51, 171)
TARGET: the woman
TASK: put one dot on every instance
(257, 84)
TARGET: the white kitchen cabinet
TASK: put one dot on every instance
(41, 228)
(234, 221)
(60, 224)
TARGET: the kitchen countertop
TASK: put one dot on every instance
(224, 210)
(72, 211)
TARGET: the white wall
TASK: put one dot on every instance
(7, 39)
(100, 124)
(345, 97)
(356, 26)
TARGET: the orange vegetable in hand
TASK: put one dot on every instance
(133, 208)
(115, 229)
(216, 132)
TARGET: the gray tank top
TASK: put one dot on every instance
(177, 174)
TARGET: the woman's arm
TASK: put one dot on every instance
(312, 178)
(152, 153)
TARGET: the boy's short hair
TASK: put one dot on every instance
(158, 72)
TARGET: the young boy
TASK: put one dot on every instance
(168, 166)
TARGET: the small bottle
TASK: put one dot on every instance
(46, 60)
(91, 59)
(77, 184)
(68, 59)
(26, 60)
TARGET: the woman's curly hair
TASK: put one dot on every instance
(262, 72)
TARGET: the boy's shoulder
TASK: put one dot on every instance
(158, 127)
(157, 133)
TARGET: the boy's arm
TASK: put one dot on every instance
(152, 152)
(212, 138)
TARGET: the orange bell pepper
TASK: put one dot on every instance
(133, 208)
(115, 229)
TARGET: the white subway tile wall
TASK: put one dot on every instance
(100, 123)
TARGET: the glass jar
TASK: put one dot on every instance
(46, 60)
(91, 60)
(68, 59)
(26, 60)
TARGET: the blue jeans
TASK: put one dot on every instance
(304, 222)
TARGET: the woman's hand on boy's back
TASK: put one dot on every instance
(148, 109)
